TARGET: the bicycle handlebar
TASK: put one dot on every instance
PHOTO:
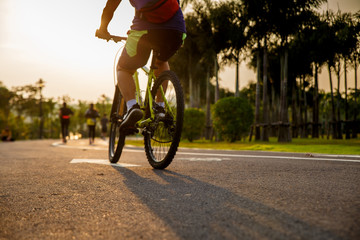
(108, 37)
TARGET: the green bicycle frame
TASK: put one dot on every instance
(148, 97)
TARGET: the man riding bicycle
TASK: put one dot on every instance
(158, 25)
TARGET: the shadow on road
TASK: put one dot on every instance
(197, 210)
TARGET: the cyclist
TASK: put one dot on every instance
(165, 38)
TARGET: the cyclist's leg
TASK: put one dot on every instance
(134, 55)
(126, 83)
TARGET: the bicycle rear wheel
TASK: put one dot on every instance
(162, 138)
(116, 138)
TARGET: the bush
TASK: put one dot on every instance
(233, 117)
(194, 122)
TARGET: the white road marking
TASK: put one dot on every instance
(104, 162)
(224, 156)
(93, 147)
(267, 156)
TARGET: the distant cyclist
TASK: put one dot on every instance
(65, 114)
(158, 25)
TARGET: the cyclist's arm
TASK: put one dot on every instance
(108, 14)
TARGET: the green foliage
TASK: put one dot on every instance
(233, 117)
(194, 122)
(20, 110)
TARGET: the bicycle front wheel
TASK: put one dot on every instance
(116, 138)
(162, 138)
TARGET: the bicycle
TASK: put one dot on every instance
(161, 128)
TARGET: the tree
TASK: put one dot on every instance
(290, 17)
(6, 97)
(259, 16)
(230, 18)
(346, 32)
(355, 58)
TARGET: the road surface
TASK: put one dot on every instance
(53, 191)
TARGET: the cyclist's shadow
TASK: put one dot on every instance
(199, 210)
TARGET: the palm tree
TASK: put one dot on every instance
(330, 44)
(346, 42)
(230, 18)
(355, 57)
(259, 16)
(312, 40)
(348, 36)
(289, 17)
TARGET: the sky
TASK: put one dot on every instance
(55, 41)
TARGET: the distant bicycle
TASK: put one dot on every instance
(160, 126)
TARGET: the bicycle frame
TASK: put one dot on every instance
(148, 96)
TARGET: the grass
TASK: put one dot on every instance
(300, 145)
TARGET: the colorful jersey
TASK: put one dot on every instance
(176, 23)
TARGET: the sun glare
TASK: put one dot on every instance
(56, 40)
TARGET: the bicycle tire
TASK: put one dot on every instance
(161, 142)
(116, 138)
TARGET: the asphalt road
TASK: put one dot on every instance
(53, 191)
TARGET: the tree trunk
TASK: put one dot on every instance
(197, 95)
(237, 94)
(216, 79)
(355, 127)
(208, 113)
(191, 96)
(315, 128)
(306, 133)
(274, 111)
(294, 111)
(301, 105)
(265, 133)
(284, 128)
(347, 130)
(333, 116)
(257, 99)
(338, 99)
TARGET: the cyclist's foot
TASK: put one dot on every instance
(131, 117)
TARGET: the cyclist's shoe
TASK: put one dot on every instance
(132, 116)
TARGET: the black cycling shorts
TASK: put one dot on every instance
(139, 44)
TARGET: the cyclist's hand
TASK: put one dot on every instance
(103, 34)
